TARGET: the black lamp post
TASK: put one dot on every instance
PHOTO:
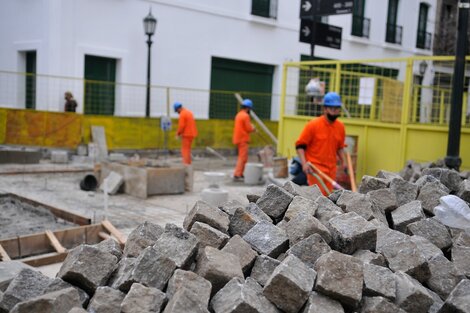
(150, 23)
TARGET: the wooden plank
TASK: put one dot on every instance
(65, 215)
(116, 233)
(35, 244)
(4, 255)
(104, 235)
(54, 242)
(45, 259)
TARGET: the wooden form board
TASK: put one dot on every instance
(65, 215)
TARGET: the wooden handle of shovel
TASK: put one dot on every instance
(352, 177)
(324, 176)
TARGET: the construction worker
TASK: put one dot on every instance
(322, 141)
(187, 130)
(241, 137)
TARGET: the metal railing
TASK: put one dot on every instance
(360, 26)
(394, 34)
(423, 40)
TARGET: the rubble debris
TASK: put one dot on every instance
(379, 250)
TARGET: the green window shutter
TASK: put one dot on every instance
(358, 18)
(30, 81)
(252, 80)
(422, 23)
(100, 81)
(260, 7)
(391, 35)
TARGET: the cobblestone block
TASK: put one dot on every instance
(369, 257)
(379, 305)
(241, 222)
(459, 299)
(185, 300)
(218, 267)
(387, 175)
(57, 301)
(208, 236)
(257, 213)
(239, 296)
(379, 281)
(340, 276)
(205, 213)
(352, 232)
(318, 303)
(143, 299)
(308, 192)
(304, 225)
(433, 230)
(326, 210)
(79, 268)
(230, 206)
(426, 248)
(411, 295)
(267, 239)
(404, 191)
(120, 279)
(384, 199)
(263, 268)
(461, 259)
(106, 300)
(402, 254)
(300, 205)
(430, 194)
(239, 247)
(143, 236)
(444, 276)
(407, 214)
(192, 281)
(27, 284)
(290, 284)
(464, 190)
(310, 249)
(274, 201)
(178, 245)
(369, 183)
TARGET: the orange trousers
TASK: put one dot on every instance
(242, 159)
(312, 180)
(186, 149)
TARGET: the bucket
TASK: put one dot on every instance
(280, 167)
(89, 183)
(253, 173)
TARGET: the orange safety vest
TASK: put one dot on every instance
(186, 124)
(323, 140)
(243, 128)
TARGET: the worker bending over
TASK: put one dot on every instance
(241, 137)
(322, 141)
(187, 130)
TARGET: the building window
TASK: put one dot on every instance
(361, 24)
(394, 31)
(30, 86)
(264, 8)
(423, 39)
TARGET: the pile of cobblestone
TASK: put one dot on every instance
(291, 249)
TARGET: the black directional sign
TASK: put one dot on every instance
(331, 7)
(307, 8)
(310, 8)
(328, 35)
(320, 34)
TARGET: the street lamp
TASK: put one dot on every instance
(422, 67)
(150, 23)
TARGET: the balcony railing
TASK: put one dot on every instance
(360, 26)
(423, 41)
(394, 34)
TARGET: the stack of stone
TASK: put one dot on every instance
(289, 249)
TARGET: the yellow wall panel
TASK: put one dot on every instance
(3, 125)
(383, 150)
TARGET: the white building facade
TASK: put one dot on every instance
(195, 45)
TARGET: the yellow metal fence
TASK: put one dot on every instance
(394, 109)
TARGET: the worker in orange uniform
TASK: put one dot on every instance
(322, 141)
(241, 137)
(187, 130)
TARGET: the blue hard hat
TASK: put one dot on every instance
(247, 103)
(332, 99)
(177, 105)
